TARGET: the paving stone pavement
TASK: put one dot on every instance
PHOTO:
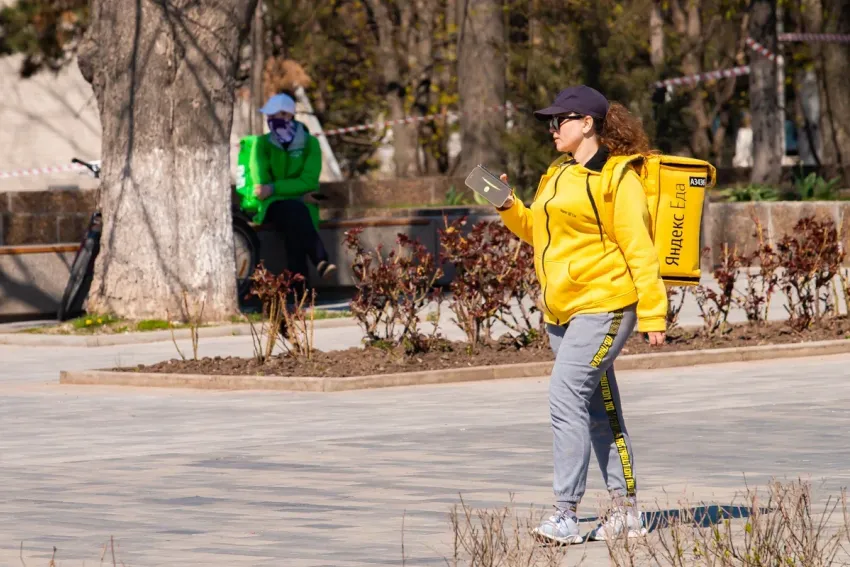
(183, 477)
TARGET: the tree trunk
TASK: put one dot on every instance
(689, 25)
(405, 136)
(258, 62)
(481, 82)
(535, 26)
(656, 37)
(164, 78)
(421, 57)
(764, 99)
(808, 86)
(831, 61)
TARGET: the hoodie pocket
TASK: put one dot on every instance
(566, 293)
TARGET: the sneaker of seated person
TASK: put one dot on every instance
(325, 269)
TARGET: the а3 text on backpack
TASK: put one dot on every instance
(675, 190)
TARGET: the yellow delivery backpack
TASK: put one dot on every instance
(675, 190)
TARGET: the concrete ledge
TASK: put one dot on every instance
(34, 339)
(533, 370)
(740, 354)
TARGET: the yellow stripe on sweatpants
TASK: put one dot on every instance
(608, 341)
(619, 438)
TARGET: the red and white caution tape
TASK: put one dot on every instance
(760, 49)
(334, 132)
(42, 171)
(722, 73)
(408, 120)
(700, 77)
(814, 37)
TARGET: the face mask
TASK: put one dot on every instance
(282, 129)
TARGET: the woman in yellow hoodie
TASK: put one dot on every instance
(596, 291)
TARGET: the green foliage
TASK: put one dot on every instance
(456, 198)
(550, 44)
(152, 325)
(815, 188)
(319, 314)
(92, 321)
(752, 192)
(337, 43)
(603, 44)
(334, 43)
(812, 187)
(46, 32)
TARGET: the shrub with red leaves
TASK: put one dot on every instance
(761, 284)
(714, 306)
(494, 281)
(392, 290)
(811, 258)
(293, 324)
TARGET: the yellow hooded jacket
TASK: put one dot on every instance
(580, 269)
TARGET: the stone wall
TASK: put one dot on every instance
(734, 223)
(395, 193)
(44, 217)
(39, 233)
(48, 217)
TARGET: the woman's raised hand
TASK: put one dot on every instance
(510, 200)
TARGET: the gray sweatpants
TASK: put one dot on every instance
(585, 405)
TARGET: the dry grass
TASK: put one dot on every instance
(500, 538)
(194, 316)
(778, 526)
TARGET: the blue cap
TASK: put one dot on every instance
(580, 99)
(279, 103)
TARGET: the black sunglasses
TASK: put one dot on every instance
(557, 121)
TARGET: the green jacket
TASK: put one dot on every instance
(292, 172)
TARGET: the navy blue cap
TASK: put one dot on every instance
(580, 99)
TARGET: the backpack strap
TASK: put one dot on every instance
(615, 169)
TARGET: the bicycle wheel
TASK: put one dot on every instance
(82, 271)
(246, 248)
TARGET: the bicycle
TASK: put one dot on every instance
(246, 245)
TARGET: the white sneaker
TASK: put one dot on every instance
(618, 520)
(560, 528)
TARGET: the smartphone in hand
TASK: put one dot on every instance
(488, 185)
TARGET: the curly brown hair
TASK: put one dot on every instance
(621, 132)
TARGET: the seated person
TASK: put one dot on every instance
(288, 186)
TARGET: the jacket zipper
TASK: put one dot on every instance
(549, 241)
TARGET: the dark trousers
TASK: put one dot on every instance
(291, 219)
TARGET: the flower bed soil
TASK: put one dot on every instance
(371, 361)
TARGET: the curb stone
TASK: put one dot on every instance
(445, 376)
(144, 337)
